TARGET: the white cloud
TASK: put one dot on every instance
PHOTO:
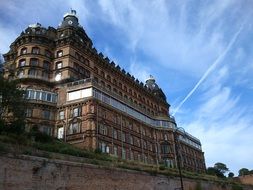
(222, 124)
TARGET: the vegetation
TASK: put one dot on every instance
(245, 171)
(12, 106)
(231, 174)
(218, 170)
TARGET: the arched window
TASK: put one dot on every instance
(23, 51)
(21, 62)
(35, 50)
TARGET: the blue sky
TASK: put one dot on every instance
(182, 44)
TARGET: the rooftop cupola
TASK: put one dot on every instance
(70, 19)
(151, 84)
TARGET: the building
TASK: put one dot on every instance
(77, 94)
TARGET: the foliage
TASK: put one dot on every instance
(221, 167)
(231, 174)
(39, 136)
(215, 172)
(237, 187)
(243, 171)
(12, 106)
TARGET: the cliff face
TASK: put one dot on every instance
(35, 173)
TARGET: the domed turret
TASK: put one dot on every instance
(70, 19)
(151, 84)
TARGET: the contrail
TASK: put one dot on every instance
(211, 68)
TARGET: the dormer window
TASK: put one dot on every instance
(23, 51)
(35, 50)
(59, 53)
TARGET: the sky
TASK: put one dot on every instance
(200, 53)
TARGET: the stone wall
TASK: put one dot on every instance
(247, 179)
(21, 172)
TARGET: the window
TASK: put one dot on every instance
(123, 153)
(115, 150)
(35, 50)
(103, 129)
(58, 76)
(45, 74)
(61, 115)
(76, 112)
(34, 62)
(123, 137)
(21, 63)
(43, 96)
(28, 112)
(103, 147)
(23, 51)
(131, 141)
(47, 53)
(77, 55)
(49, 96)
(59, 53)
(138, 142)
(45, 129)
(102, 74)
(74, 128)
(46, 114)
(144, 144)
(165, 137)
(115, 134)
(32, 72)
(58, 65)
(131, 155)
(20, 73)
(46, 65)
(165, 148)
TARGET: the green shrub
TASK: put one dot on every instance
(162, 167)
(2, 147)
(236, 187)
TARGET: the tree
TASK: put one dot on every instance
(214, 171)
(12, 107)
(218, 170)
(243, 171)
(231, 174)
(1, 64)
(221, 167)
